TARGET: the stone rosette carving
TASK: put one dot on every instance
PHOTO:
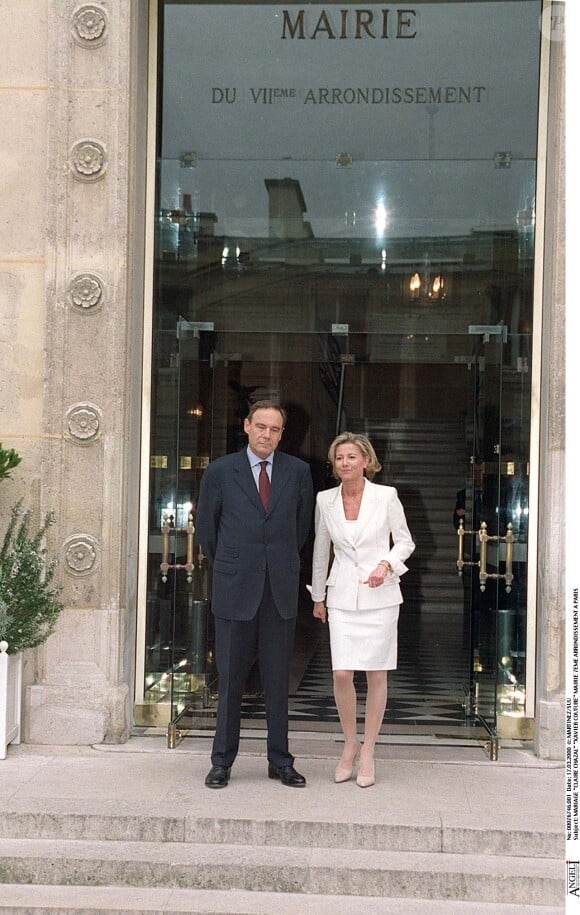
(80, 554)
(89, 26)
(83, 422)
(88, 160)
(86, 292)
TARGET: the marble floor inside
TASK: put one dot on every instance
(425, 693)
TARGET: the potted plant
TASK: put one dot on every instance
(29, 605)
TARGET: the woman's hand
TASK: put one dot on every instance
(319, 610)
(378, 575)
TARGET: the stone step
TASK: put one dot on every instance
(421, 445)
(441, 607)
(433, 587)
(434, 590)
(424, 507)
(68, 900)
(284, 869)
(378, 836)
(434, 563)
(426, 427)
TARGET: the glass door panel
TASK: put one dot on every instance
(385, 385)
(483, 526)
(338, 264)
(178, 658)
(163, 481)
(495, 549)
(192, 670)
(514, 471)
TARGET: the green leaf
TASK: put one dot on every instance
(29, 605)
(9, 459)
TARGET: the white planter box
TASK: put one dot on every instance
(10, 697)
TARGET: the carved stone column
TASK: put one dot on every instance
(81, 693)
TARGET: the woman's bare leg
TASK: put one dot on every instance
(374, 714)
(345, 698)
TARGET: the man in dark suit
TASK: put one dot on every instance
(254, 514)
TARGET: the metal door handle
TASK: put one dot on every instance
(484, 539)
(166, 531)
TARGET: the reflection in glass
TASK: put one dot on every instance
(348, 285)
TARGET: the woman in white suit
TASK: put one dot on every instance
(365, 524)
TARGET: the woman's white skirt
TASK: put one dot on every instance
(363, 639)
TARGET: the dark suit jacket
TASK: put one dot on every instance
(242, 541)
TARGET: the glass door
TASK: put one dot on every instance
(433, 405)
(191, 656)
(385, 386)
(491, 521)
(338, 265)
(479, 522)
(178, 667)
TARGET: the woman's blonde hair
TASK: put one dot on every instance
(363, 444)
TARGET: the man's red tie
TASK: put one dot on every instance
(264, 484)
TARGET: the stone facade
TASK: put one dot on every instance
(550, 700)
(72, 102)
(67, 343)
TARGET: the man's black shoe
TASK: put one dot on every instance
(218, 777)
(287, 775)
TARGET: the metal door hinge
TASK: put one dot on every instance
(489, 330)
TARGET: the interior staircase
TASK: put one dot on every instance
(426, 461)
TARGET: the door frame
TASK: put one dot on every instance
(537, 354)
(147, 354)
(507, 729)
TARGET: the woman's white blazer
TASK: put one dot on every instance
(381, 533)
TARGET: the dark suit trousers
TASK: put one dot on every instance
(235, 641)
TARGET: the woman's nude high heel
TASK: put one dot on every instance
(343, 773)
(365, 781)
